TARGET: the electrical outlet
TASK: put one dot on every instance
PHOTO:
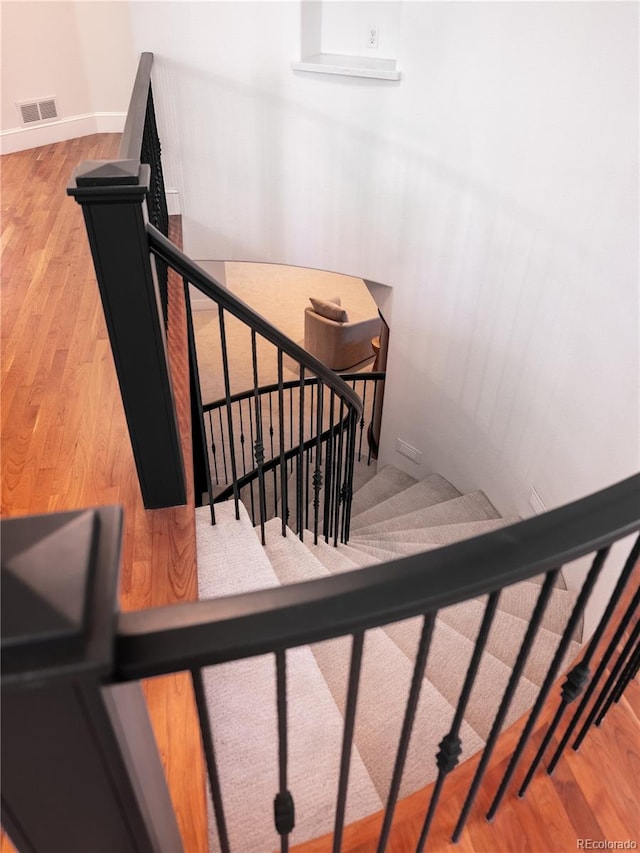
(536, 502)
(372, 36)
(407, 450)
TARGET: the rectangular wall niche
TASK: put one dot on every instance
(356, 39)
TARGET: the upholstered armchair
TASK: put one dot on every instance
(339, 343)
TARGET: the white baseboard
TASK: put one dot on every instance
(21, 138)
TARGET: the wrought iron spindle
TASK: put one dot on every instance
(210, 756)
(194, 381)
(300, 458)
(275, 475)
(283, 461)
(350, 464)
(283, 807)
(259, 444)
(157, 201)
(628, 673)
(407, 727)
(339, 485)
(223, 446)
(602, 700)
(364, 407)
(213, 448)
(227, 393)
(328, 472)
(547, 684)
(291, 425)
(373, 412)
(613, 601)
(507, 698)
(317, 474)
(347, 737)
(451, 745)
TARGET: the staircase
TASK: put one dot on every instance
(393, 515)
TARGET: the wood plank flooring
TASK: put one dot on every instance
(65, 445)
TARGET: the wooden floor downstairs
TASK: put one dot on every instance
(65, 446)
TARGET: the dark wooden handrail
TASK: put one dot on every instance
(170, 639)
(131, 143)
(185, 267)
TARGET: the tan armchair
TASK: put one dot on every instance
(339, 345)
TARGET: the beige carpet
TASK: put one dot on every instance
(241, 696)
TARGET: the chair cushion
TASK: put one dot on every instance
(330, 309)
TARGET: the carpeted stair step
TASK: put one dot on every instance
(384, 684)
(230, 559)
(449, 658)
(333, 559)
(394, 552)
(506, 637)
(432, 490)
(444, 534)
(472, 507)
(387, 482)
(242, 709)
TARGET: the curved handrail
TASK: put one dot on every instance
(378, 376)
(131, 142)
(169, 639)
(182, 264)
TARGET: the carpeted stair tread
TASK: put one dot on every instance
(505, 637)
(242, 709)
(474, 506)
(519, 600)
(333, 559)
(432, 490)
(449, 658)
(292, 561)
(384, 686)
(230, 558)
(443, 534)
(387, 482)
(395, 550)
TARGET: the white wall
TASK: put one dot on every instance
(495, 187)
(79, 52)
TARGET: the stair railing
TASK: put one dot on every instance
(319, 432)
(212, 632)
(318, 452)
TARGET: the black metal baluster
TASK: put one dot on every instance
(259, 445)
(275, 476)
(407, 728)
(338, 480)
(373, 412)
(300, 458)
(328, 471)
(603, 699)
(227, 394)
(317, 474)
(223, 445)
(283, 807)
(613, 601)
(291, 423)
(629, 654)
(451, 745)
(150, 154)
(194, 381)
(283, 462)
(213, 448)
(210, 756)
(244, 460)
(628, 673)
(347, 490)
(572, 624)
(507, 698)
(307, 497)
(347, 738)
(577, 678)
(364, 406)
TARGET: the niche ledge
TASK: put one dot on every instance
(349, 66)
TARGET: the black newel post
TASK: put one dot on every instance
(80, 767)
(113, 198)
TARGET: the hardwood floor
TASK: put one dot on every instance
(65, 445)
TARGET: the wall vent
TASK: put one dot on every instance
(33, 112)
